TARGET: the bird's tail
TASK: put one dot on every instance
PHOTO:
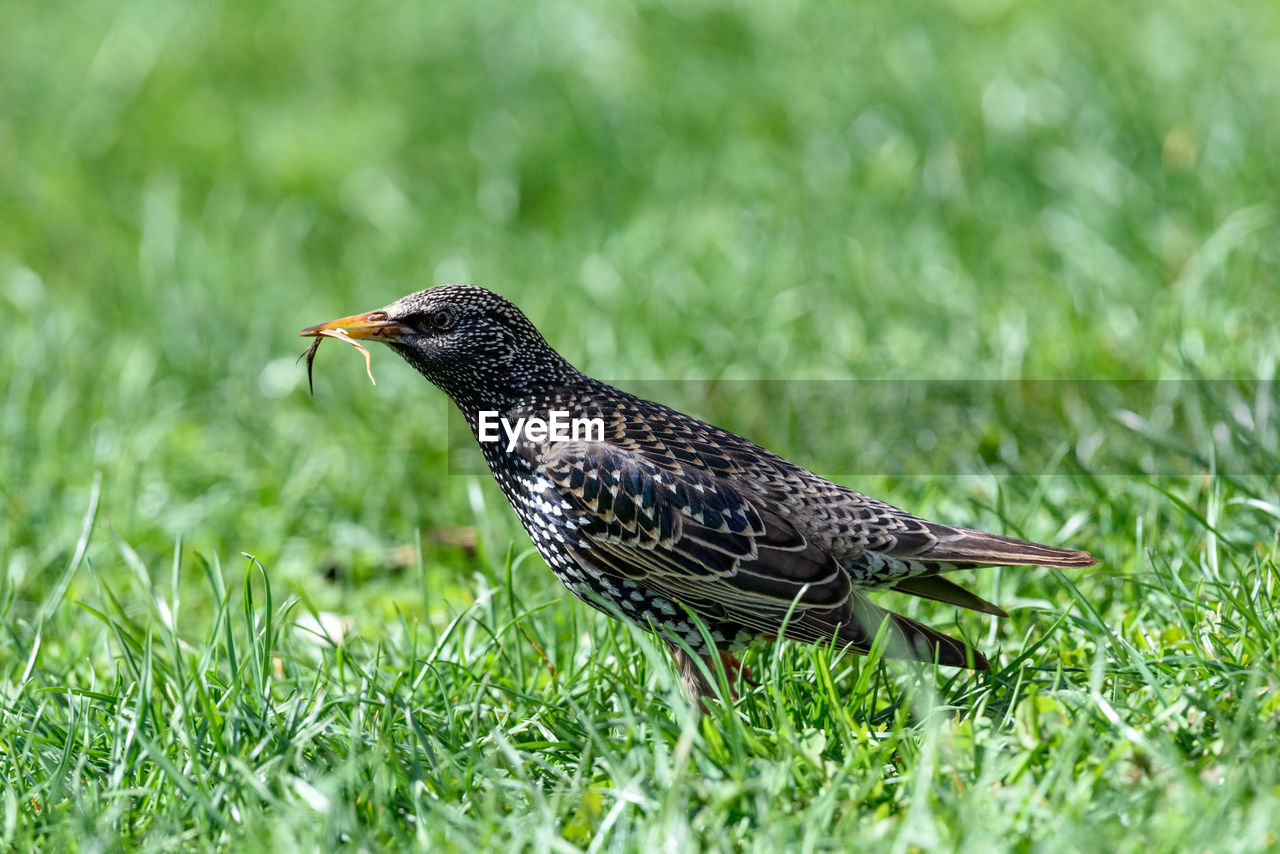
(907, 638)
(965, 547)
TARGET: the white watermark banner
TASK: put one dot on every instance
(958, 427)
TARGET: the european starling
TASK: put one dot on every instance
(658, 515)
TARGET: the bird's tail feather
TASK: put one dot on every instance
(967, 548)
(938, 589)
(907, 638)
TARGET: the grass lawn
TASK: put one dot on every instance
(235, 616)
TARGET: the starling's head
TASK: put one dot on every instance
(472, 343)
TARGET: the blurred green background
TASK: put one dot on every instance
(682, 191)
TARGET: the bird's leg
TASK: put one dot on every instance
(733, 668)
(695, 682)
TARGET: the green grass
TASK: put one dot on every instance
(687, 199)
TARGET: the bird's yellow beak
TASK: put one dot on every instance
(370, 325)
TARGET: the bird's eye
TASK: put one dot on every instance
(441, 320)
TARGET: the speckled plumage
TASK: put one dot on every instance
(670, 515)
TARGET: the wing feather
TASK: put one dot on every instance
(688, 535)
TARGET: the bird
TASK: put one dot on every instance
(690, 531)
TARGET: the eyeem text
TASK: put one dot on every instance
(558, 427)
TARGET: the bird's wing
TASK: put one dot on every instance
(877, 543)
(693, 538)
(688, 535)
